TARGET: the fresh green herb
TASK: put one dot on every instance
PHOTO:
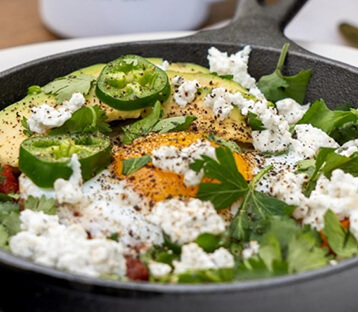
(320, 116)
(254, 210)
(85, 120)
(114, 237)
(207, 276)
(131, 165)
(227, 77)
(328, 160)
(341, 241)
(232, 184)
(9, 222)
(209, 242)
(64, 87)
(173, 124)
(347, 132)
(10, 197)
(32, 90)
(152, 123)
(25, 124)
(46, 205)
(306, 166)
(231, 145)
(143, 126)
(285, 247)
(254, 122)
(276, 86)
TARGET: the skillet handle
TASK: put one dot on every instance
(256, 24)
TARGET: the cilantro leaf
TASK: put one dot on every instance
(85, 120)
(320, 116)
(254, 122)
(46, 205)
(276, 86)
(232, 146)
(303, 254)
(25, 124)
(232, 184)
(64, 87)
(328, 160)
(206, 276)
(129, 166)
(339, 238)
(4, 237)
(254, 210)
(9, 222)
(143, 126)
(347, 132)
(173, 124)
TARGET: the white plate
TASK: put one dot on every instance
(18, 55)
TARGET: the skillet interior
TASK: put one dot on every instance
(52, 290)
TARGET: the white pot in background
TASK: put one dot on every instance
(84, 18)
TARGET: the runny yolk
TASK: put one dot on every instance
(156, 184)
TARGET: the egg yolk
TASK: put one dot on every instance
(155, 184)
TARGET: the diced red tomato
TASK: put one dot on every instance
(136, 270)
(9, 183)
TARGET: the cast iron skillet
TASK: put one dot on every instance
(29, 287)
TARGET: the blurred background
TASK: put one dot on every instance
(32, 21)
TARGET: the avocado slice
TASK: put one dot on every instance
(232, 128)
(180, 67)
(12, 132)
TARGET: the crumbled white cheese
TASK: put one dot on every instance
(251, 250)
(195, 258)
(159, 269)
(235, 64)
(309, 140)
(164, 66)
(340, 194)
(291, 110)
(45, 241)
(45, 117)
(220, 101)
(349, 148)
(108, 206)
(185, 90)
(184, 221)
(173, 159)
(70, 192)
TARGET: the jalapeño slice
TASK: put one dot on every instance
(131, 82)
(46, 159)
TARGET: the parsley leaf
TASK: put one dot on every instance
(232, 146)
(173, 124)
(320, 116)
(85, 120)
(276, 86)
(339, 238)
(129, 166)
(46, 205)
(143, 126)
(64, 87)
(232, 184)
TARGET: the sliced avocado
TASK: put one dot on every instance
(12, 132)
(180, 67)
(232, 128)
